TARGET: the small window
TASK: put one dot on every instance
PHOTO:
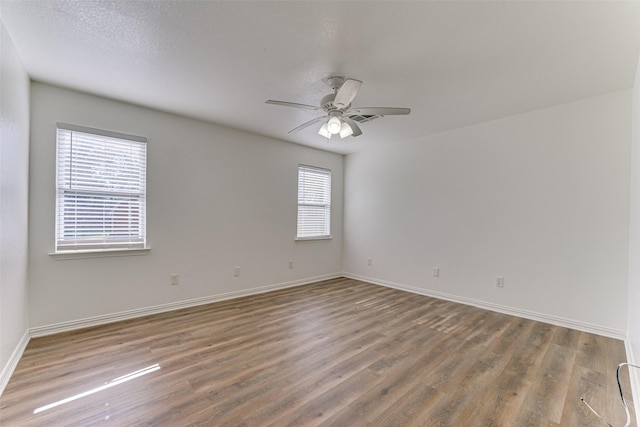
(101, 190)
(314, 203)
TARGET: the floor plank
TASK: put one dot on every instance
(335, 353)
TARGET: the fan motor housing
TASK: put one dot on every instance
(327, 103)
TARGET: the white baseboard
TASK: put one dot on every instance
(8, 369)
(540, 317)
(130, 314)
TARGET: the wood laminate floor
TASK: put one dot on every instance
(335, 353)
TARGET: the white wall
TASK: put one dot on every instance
(539, 198)
(14, 185)
(633, 303)
(216, 198)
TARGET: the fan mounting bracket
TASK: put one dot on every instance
(334, 82)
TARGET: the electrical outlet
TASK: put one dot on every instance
(368, 261)
(499, 281)
(175, 279)
(436, 272)
(290, 264)
(236, 271)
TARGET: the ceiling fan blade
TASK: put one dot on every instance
(347, 93)
(378, 111)
(354, 127)
(293, 104)
(307, 124)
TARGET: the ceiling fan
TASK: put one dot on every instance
(340, 117)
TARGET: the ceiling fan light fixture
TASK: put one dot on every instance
(345, 130)
(324, 131)
(339, 117)
(334, 125)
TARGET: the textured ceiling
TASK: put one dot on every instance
(453, 63)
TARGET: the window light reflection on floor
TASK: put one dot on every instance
(112, 383)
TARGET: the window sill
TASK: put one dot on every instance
(98, 253)
(308, 239)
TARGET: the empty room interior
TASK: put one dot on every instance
(268, 213)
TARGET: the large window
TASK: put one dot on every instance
(314, 203)
(101, 186)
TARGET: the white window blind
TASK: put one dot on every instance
(101, 186)
(314, 202)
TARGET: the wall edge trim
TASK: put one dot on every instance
(634, 377)
(12, 363)
(531, 315)
(56, 328)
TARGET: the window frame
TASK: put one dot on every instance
(133, 199)
(326, 234)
